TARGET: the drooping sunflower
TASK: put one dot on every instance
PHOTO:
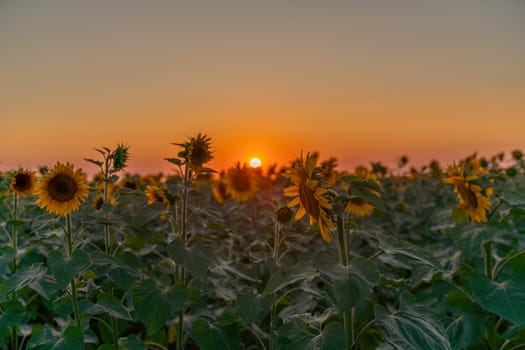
(359, 206)
(470, 195)
(62, 189)
(23, 182)
(309, 195)
(241, 182)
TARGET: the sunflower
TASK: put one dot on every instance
(218, 189)
(309, 195)
(241, 182)
(157, 194)
(198, 151)
(23, 182)
(470, 195)
(62, 189)
(359, 206)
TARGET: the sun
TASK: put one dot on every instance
(255, 162)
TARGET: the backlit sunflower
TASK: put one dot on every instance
(309, 195)
(23, 182)
(198, 151)
(470, 196)
(241, 182)
(62, 189)
(359, 206)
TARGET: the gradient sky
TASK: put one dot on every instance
(361, 81)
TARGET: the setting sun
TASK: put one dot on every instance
(255, 162)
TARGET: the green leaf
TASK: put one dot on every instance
(283, 278)
(410, 329)
(66, 268)
(13, 314)
(212, 337)
(353, 283)
(363, 189)
(505, 299)
(153, 306)
(298, 335)
(21, 279)
(393, 246)
(44, 339)
(72, 338)
(112, 306)
(196, 260)
(7, 254)
(132, 343)
(253, 308)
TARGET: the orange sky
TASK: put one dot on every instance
(360, 82)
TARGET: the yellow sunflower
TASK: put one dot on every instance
(157, 194)
(309, 195)
(218, 189)
(62, 189)
(241, 182)
(23, 182)
(359, 206)
(470, 197)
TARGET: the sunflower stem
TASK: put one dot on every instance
(14, 236)
(342, 244)
(107, 238)
(183, 234)
(74, 292)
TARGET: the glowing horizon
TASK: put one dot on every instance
(362, 82)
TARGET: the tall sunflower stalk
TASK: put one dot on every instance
(195, 153)
(113, 162)
(60, 192)
(22, 183)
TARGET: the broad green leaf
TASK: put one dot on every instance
(212, 337)
(353, 283)
(394, 246)
(113, 306)
(505, 299)
(411, 330)
(66, 268)
(13, 314)
(153, 306)
(71, 339)
(469, 324)
(21, 279)
(132, 343)
(195, 259)
(283, 278)
(252, 308)
(296, 334)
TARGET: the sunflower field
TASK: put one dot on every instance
(299, 257)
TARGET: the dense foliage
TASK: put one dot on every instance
(175, 262)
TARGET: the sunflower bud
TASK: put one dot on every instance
(284, 214)
(120, 156)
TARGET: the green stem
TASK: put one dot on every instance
(74, 292)
(342, 241)
(487, 258)
(276, 238)
(183, 236)
(107, 238)
(14, 236)
(499, 266)
(273, 311)
(114, 330)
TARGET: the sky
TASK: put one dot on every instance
(362, 81)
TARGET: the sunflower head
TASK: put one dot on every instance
(120, 156)
(309, 195)
(241, 182)
(62, 189)
(196, 152)
(284, 214)
(23, 182)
